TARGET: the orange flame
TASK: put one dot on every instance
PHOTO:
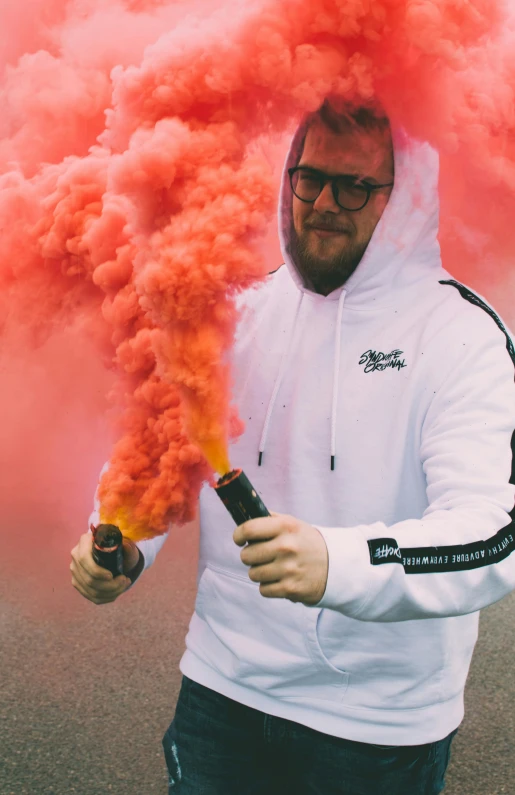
(217, 456)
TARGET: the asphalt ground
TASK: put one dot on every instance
(87, 692)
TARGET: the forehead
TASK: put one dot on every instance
(354, 151)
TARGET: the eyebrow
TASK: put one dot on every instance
(348, 174)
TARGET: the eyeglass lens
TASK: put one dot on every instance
(308, 186)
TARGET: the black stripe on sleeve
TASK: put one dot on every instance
(468, 295)
(431, 560)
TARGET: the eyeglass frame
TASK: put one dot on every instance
(325, 178)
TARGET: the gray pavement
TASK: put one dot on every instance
(87, 692)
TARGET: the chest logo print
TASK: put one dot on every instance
(374, 360)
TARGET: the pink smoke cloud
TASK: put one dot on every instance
(136, 191)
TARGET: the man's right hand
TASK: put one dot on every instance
(94, 582)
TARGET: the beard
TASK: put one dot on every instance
(324, 273)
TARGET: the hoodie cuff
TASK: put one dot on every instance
(348, 578)
(149, 549)
(135, 572)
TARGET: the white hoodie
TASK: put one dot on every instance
(405, 381)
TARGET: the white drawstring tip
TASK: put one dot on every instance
(333, 458)
(260, 458)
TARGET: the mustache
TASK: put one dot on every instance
(325, 223)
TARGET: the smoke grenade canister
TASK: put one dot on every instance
(108, 548)
(240, 497)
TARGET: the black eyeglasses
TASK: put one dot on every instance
(349, 193)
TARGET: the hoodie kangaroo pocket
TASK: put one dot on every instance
(263, 644)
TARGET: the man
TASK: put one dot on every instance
(330, 655)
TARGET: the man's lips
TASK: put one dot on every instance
(327, 231)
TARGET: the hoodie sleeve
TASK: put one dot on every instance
(459, 557)
(148, 548)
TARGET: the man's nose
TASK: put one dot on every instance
(326, 202)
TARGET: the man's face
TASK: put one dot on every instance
(328, 242)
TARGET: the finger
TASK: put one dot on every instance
(91, 576)
(274, 590)
(263, 529)
(114, 586)
(87, 561)
(84, 558)
(83, 582)
(259, 553)
(265, 574)
(91, 595)
(96, 596)
(86, 591)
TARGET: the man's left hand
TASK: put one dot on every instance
(286, 556)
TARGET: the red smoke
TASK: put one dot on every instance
(134, 194)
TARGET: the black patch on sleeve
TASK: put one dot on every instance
(431, 560)
(384, 550)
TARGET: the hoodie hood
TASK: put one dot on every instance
(406, 235)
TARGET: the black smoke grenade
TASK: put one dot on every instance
(108, 548)
(240, 497)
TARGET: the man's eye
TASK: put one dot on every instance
(353, 185)
(308, 179)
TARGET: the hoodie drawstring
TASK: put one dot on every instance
(336, 381)
(278, 382)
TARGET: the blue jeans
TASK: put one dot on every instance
(216, 746)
